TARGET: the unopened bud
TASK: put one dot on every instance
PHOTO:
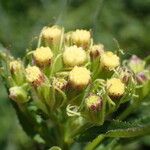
(74, 56)
(109, 60)
(94, 103)
(96, 50)
(81, 38)
(17, 72)
(115, 88)
(136, 64)
(60, 83)
(15, 66)
(43, 56)
(79, 77)
(141, 77)
(125, 74)
(52, 35)
(18, 94)
(34, 75)
(68, 38)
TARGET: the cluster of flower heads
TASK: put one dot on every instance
(68, 70)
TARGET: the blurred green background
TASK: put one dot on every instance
(128, 21)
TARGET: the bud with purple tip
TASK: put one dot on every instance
(94, 108)
(136, 64)
(94, 103)
(141, 77)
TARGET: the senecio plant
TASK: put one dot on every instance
(70, 93)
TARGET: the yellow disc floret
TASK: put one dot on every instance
(109, 60)
(73, 56)
(52, 34)
(43, 56)
(115, 87)
(34, 75)
(79, 77)
(81, 38)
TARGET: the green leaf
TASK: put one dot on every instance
(117, 128)
(129, 132)
(27, 126)
(29, 120)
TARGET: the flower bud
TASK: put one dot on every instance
(109, 60)
(79, 77)
(43, 56)
(60, 83)
(34, 75)
(68, 38)
(51, 35)
(141, 77)
(136, 64)
(96, 50)
(94, 110)
(73, 56)
(93, 103)
(17, 72)
(81, 38)
(115, 88)
(18, 94)
(125, 74)
(15, 66)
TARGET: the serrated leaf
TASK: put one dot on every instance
(117, 128)
(129, 132)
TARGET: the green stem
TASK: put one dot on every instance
(94, 143)
(53, 65)
(63, 95)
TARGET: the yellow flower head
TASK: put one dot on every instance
(79, 77)
(96, 50)
(43, 56)
(115, 87)
(93, 103)
(81, 38)
(15, 65)
(73, 56)
(52, 34)
(109, 60)
(34, 75)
